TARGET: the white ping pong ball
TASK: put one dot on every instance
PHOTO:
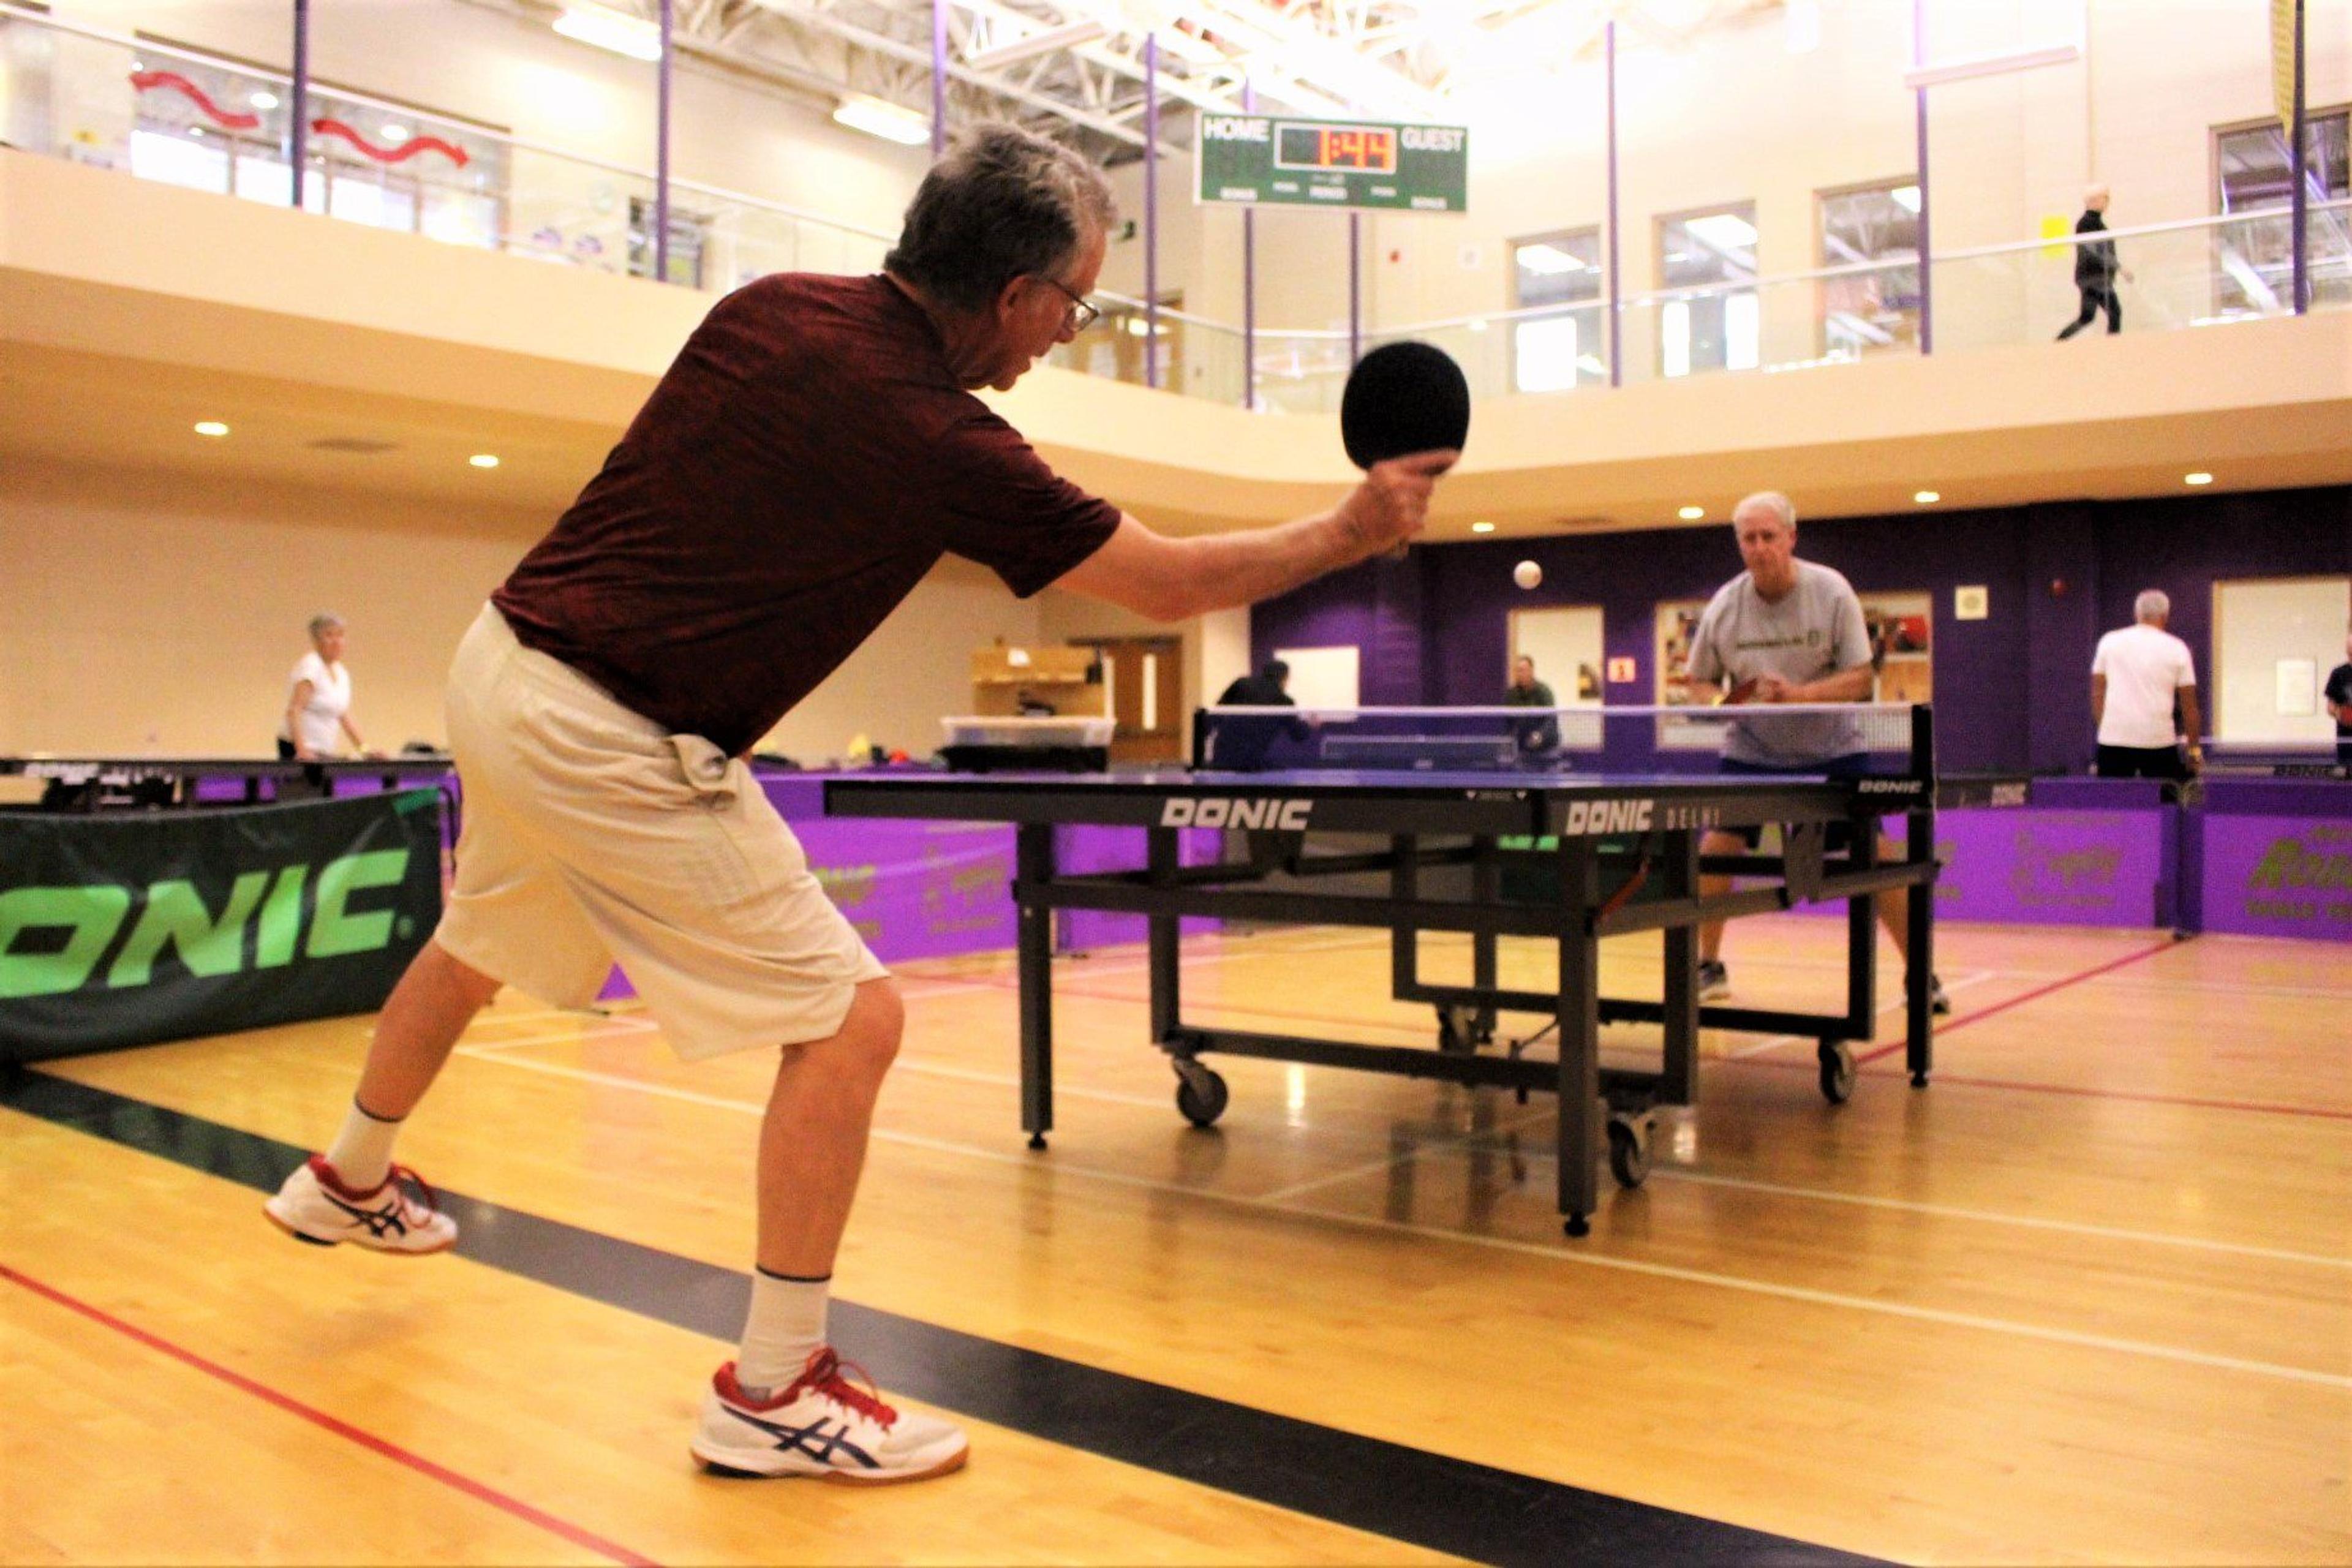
(1526, 574)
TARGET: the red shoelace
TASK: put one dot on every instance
(824, 1375)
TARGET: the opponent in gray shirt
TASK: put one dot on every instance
(1784, 630)
(1785, 633)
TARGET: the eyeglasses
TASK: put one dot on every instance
(1080, 315)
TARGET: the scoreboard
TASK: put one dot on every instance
(1263, 159)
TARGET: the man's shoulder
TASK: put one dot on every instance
(1826, 580)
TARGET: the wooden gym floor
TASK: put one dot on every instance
(2088, 1298)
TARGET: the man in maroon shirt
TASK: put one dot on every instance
(812, 452)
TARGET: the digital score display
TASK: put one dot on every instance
(1369, 149)
(1261, 160)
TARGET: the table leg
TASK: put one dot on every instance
(1678, 1074)
(1034, 941)
(1919, 935)
(1579, 1036)
(1164, 930)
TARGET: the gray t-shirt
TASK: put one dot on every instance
(1816, 629)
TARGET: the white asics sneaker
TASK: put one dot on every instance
(822, 1425)
(398, 1215)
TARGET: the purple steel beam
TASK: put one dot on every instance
(1616, 284)
(2298, 160)
(1355, 287)
(939, 77)
(1151, 209)
(298, 114)
(661, 150)
(1919, 112)
(1249, 281)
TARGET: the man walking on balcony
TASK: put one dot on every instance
(2096, 268)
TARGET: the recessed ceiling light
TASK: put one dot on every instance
(1692, 513)
(395, 135)
(2197, 479)
(1927, 498)
(262, 100)
(210, 427)
(1482, 528)
(484, 460)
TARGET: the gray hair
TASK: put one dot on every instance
(1001, 203)
(325, 620)
(1773, 502)
(2151, 605)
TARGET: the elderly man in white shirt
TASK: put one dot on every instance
(2136, 675)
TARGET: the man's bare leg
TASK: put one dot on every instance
(421, 1020)
(1710, 933)
(813, 1143)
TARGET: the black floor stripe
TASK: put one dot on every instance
(1407, 1494)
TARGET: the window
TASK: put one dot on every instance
(1874, 227)
(1714, 325)
(2253, 173)
(1562, 347)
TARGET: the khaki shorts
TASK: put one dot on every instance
(592, 835)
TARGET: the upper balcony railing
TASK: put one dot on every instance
(192, 119)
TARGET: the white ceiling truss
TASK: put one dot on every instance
(1385, 59)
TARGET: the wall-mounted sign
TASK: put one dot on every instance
(1261, 160)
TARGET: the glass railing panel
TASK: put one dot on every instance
(1301, 373)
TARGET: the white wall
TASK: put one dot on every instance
(160, 615)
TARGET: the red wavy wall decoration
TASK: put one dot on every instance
(227, 119)
(400, 155)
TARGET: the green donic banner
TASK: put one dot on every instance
(123, 930)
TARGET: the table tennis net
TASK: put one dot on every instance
(1888, 737)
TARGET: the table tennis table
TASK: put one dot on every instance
(1616, 853)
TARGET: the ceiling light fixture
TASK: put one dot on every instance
(631, 35)
(2200, 478)
(1547, 260)
(1927, 498)
(484, 459)
(1724, 231)
(1035, 44)
(1907, 197)
(890, 122)
(210, 427)
(1991, 65)
(1482, 528)
(262, 100)
(1692, 513)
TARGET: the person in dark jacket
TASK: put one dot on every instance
(2095, 270)
(1242, 743)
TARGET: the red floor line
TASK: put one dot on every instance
(1965, 1019)
(345, 1430)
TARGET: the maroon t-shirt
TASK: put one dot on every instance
(801, 466)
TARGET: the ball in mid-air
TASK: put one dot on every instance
(1526, 574)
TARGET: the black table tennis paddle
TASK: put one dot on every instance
(1402, 398)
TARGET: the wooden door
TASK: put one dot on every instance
(1144, 677)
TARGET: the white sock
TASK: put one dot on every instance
(361, 1152)
(786, 1327)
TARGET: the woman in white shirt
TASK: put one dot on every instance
(318, 703)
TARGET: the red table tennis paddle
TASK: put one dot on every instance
(1741, 691)
(1402, 398)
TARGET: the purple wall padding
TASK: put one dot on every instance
(2276, 876)
(1085, 849)
(2039, 867)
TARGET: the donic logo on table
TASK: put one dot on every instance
(1586, 817)
(1236, 811)
(51, 938)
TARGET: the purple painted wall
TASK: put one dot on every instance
(2012, 690)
